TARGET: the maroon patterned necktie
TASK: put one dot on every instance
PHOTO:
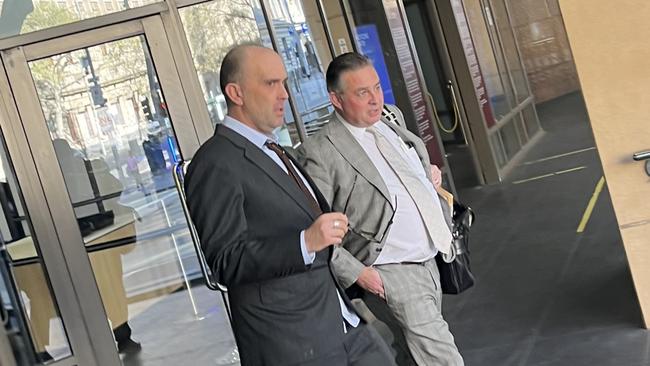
(294, 175)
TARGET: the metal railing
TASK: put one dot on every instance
(179, 171)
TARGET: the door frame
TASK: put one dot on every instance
(37, 170)
(449, 72)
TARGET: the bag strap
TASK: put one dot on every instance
(390, 116)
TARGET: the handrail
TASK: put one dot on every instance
(179, 175)
(642, 155)
(179, 179)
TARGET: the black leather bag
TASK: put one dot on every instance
(456, 277)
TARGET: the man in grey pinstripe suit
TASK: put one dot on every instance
(378, 173)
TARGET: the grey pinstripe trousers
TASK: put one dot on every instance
(413, 303)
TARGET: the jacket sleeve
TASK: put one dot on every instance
(215, 199)
(347, 267)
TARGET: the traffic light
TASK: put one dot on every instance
(97, 95)
(146, 108)
(94, 88)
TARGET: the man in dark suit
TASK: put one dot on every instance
(262, 227)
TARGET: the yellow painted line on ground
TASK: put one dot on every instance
(549, 175)
(590, 205)
(558, 156)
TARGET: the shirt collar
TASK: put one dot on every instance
(357, 132)
(255, 137)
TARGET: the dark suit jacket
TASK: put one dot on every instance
(249, 215)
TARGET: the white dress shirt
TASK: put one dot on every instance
(407, 239)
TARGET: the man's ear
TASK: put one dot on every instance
(234, 93)
(336, 100)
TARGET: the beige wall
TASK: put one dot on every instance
(612, 64)
(544, 48)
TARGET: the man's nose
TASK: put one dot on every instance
(374, 97)
(284, 94)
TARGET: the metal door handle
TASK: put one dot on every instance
(642, 155)
(179, 179)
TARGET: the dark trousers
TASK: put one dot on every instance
(363, 347)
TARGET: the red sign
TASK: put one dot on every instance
(426, 128)
(472, 61)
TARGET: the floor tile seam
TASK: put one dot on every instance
(542, 338)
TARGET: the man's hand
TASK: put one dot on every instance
(328, 229)
(370, 281)
(436, 176)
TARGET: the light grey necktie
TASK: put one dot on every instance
(430, 212)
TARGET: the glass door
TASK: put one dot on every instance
(440, 84)
(105, 119)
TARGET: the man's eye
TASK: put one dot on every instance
(362, 93)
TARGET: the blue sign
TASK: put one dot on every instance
(369, 45)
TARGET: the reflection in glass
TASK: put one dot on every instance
(243, 22)
(115, 146)
(509, 137)
(212, 28)
(511, 54)
(306, 73)
(486, 58)
(497, 147)
(30, 288)
(530, 119)
(24, 16)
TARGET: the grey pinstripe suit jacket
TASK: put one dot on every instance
(351, 184)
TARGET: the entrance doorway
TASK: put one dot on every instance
(100, 139)
(439, 78)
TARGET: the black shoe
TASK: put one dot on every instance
(129, 346)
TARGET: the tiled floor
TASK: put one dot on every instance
(547, 295)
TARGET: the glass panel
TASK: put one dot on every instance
(530, 119)
(24, 16)
(213, 28)
(510, 139)
(115, 146)
(24, 285)
(486, 56)
(507, 38)
(497, 147)
(431, 64)
(302, 58)
(521, 130)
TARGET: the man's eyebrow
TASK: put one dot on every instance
(279, 80)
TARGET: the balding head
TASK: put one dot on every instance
(235, 64)
(252, 79)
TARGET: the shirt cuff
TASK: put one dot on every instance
(308, 257)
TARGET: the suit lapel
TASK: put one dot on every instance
(269, 167)
(354, 154)
(322, 202)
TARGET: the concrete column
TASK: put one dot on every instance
(609, 40)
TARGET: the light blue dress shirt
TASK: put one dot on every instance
(259, 139)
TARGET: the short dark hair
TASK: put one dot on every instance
(343, 63)
(231, 66)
